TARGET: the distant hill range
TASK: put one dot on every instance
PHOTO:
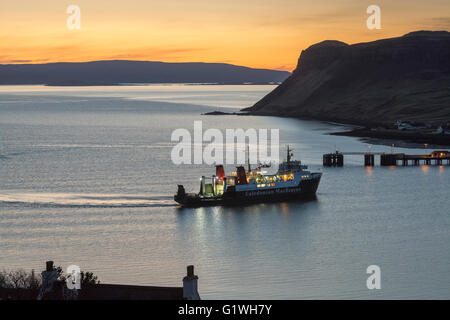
(404, 78)
(119, 71)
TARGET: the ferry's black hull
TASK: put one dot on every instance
(305, 190)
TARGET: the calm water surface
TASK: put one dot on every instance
(85, 179)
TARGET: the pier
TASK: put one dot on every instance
(390, 159)
(333, 159)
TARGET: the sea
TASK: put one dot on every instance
(86, 179)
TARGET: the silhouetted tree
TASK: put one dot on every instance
(88, 278)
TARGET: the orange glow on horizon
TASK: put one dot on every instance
(260, 34)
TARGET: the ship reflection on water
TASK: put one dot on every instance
(369, 171)
(285, 209)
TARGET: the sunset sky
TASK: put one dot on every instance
(254, 33)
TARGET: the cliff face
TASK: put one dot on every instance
(378, 82)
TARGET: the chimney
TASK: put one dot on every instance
(49, 266)
(190, 285)
(48, 289)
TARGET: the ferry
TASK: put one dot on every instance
(292, 181)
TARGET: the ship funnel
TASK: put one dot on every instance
(241, 176)
(220, 172)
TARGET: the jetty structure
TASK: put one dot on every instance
(439, 157)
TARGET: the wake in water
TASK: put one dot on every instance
(85, 200)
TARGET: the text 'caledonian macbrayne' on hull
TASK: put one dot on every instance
(291, 182)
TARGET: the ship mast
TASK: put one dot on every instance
(289, 156)
(248, 159)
